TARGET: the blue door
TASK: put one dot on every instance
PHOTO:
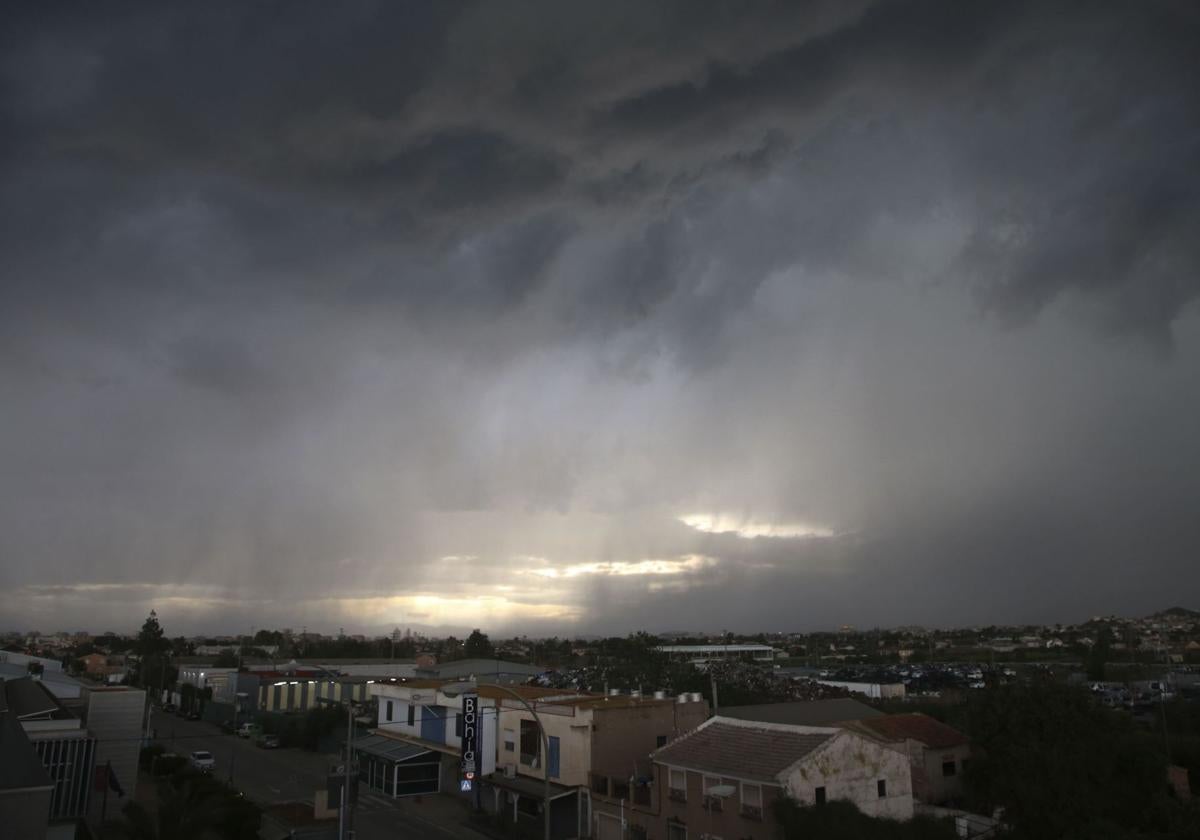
(433, 724)
(552, 760)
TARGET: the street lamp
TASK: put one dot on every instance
(238, 697)
(715, 792)
(470, 687)
(344, 809)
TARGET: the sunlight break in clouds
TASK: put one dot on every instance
(442, 610)
(686, 563)
(749, 529)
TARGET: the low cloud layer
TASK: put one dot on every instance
(565, 319)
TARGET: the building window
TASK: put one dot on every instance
(458, 726)
(677, 785)
(620, 789)
(675, 831)
(389, 710)
(599, 784)
(529, 743)
(819, 795)
(660, 741)
(881, 788)
(412, 714)
(752, 800)
(949, 768)
(510, 740)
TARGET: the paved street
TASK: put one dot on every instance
(293, 775)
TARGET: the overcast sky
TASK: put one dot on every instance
(593, 317)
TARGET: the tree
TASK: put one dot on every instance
(226, 659)
(152, 647)
(843, 821)
(151, 640)
(478, 646)
(320, 722)
(1098, 656)
(1063, 766)
(191, 806)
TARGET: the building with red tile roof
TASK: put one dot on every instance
(721, 779)
(938, 753)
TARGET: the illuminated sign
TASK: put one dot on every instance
(472, 754)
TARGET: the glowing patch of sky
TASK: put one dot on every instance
(748, 528)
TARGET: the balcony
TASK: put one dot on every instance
(752, 812)
(677, 794)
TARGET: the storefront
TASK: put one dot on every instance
(395, 768)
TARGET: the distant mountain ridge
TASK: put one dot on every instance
(1177, 612)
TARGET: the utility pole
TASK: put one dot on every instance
(233, 743)
(716, 705)
(1162, 710)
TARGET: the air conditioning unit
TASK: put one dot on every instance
(510, 771)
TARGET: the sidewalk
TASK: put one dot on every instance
(439, 811)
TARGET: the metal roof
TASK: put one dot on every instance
(20, 767)
(27, 698)
(389, 748)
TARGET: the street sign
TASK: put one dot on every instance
(465, 785)
(472, 753)
(333, 789)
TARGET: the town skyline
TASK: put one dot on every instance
(416, 629)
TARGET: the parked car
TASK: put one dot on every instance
(192, 715)
(249, 730)
(203, 761)
(268, 742)
(168, 708)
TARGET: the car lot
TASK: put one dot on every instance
(270, 776)
(263, 775)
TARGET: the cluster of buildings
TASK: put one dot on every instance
(297, 686)
(615, 764)
(630, 765)
(1171, 636)
(68, 755)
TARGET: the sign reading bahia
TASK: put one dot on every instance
(472, 753)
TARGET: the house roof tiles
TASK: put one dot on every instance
(916, 726)
(804, 712)
(742, 749)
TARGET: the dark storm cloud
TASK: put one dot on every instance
(290, 290)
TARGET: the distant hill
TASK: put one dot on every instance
(1177, 612)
